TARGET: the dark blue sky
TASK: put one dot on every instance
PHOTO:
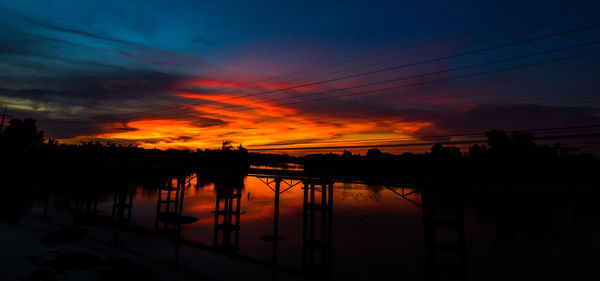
(91, 68)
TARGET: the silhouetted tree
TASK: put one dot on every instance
(227, 146)
(374, 154)
(441, 152)
(498, 141)
(523, 141)
(477, 151)
(22, 134)
(347, 155)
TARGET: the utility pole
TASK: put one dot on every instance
(2, 124)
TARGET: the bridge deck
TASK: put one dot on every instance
(302, 175)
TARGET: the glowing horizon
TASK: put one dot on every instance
(249, 120)
(192, 76)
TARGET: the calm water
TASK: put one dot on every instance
(372, 227)
(377, 233)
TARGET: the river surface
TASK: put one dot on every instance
(372, 232)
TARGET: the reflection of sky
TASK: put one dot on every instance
(180, 74)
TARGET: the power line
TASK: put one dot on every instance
(513, 67)
(475, 134)
(459, 76)
(392, 139)
(401, 86)
(447, 117)
(449, 70)
(499, 46)
(470, 141)
(437, 59)
(331, 65)
(440, 116)
(433, 81)
(407, 115)
(380, 54)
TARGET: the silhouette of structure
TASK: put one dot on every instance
(405, 194)
(443, 212)
(317, 251)
(121, 211)
(171, 216)
(275, 237)
(505, 159)
(122, 206)
(171, 197)
(454, 224)
(226, 236)
(317, 257)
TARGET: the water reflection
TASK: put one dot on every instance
(274, 238)
(317, 251)
(227, 215)
(121, 211)
(285, 225)
(122, 205)
(443, 210)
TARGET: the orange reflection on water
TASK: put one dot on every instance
(354, 199)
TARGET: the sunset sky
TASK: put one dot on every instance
(191, 74)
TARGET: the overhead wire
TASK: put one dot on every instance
(406, 65)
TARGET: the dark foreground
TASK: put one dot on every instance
(97, 227)
(509, 210)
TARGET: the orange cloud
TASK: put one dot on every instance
(252, 122)
(241, 103)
